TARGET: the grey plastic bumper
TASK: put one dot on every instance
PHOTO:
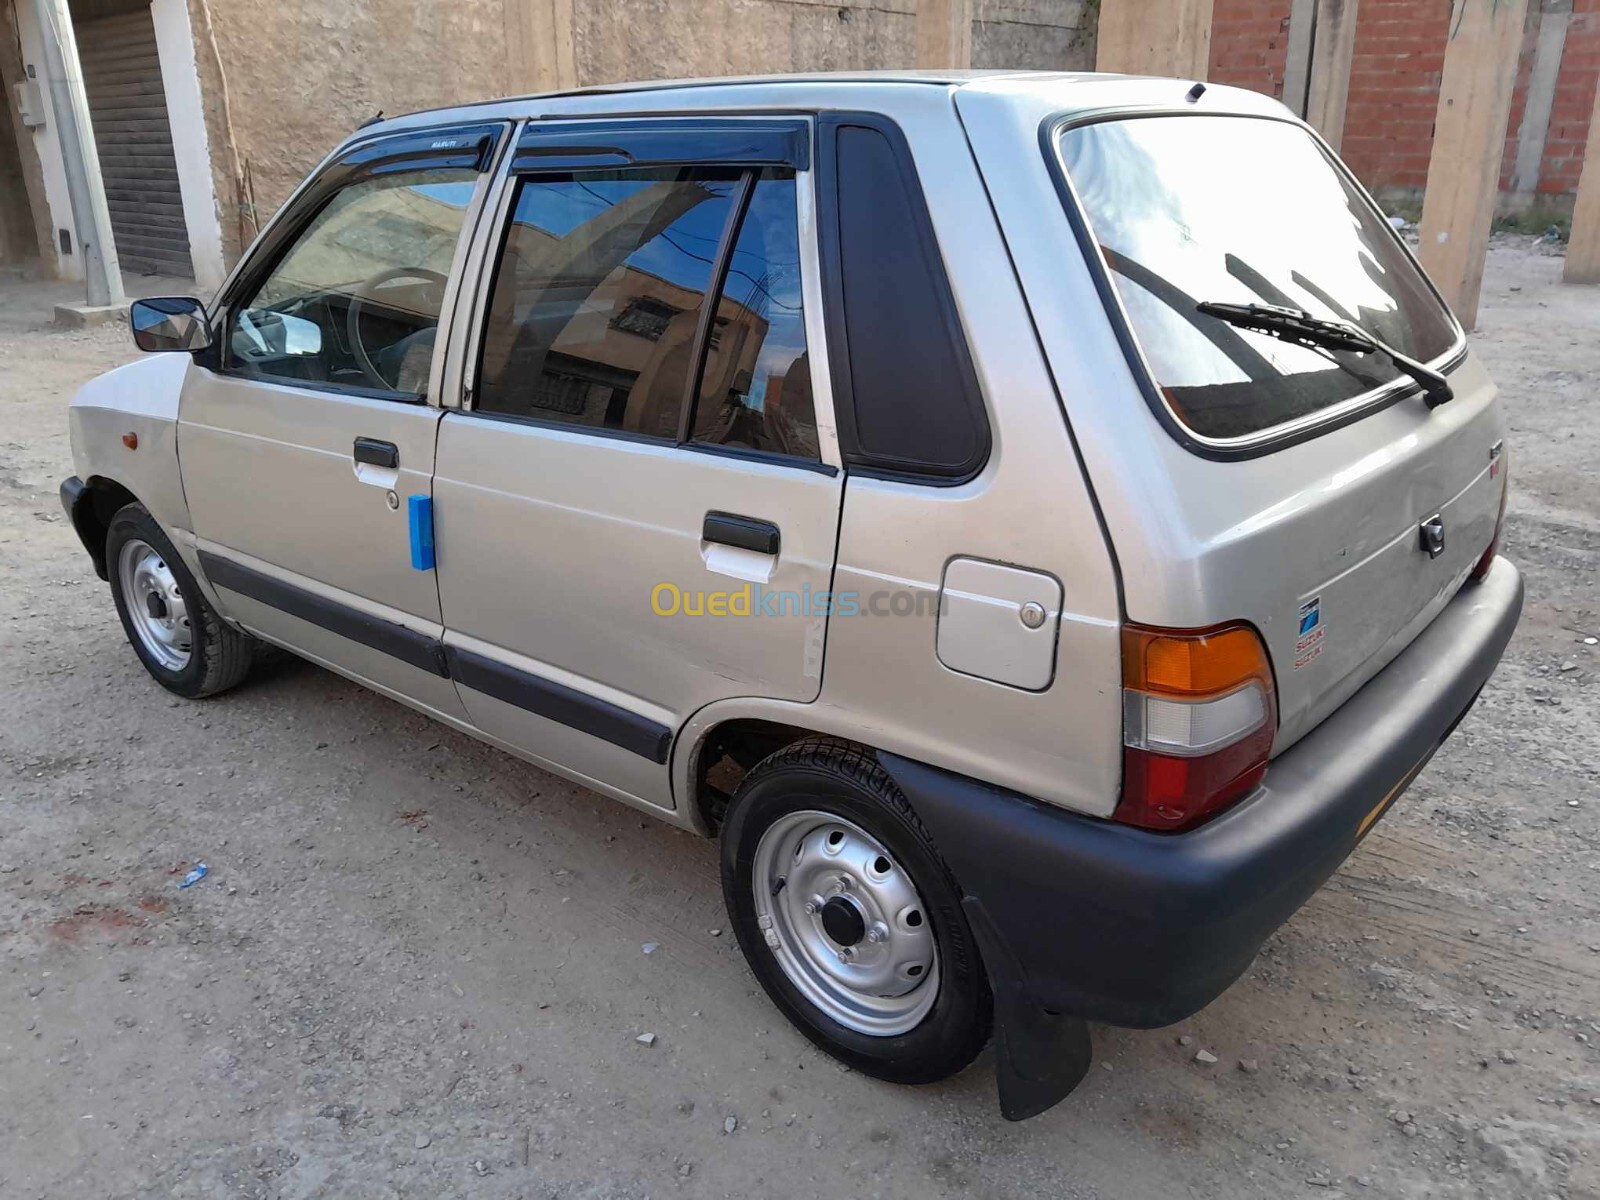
(1128, 927)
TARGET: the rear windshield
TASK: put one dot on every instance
(1242, 210)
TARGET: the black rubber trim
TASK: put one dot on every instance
(747, 533)
(417, 649)
(375, 452)
(1121, 925)
(663, 141)
(903, 384)
(557, 702)
(79, 503)
(469, 147)
(1267, 442)
(461, 146)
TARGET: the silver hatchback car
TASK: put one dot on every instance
(1038, 522)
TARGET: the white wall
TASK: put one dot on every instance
(180, 78)
(48, 146)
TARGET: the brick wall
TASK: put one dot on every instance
(1574, 103)
(1250, 44)
(1394, 84)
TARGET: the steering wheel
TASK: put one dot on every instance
(364, 294)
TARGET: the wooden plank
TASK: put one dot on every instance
(1333, 45)
(1469, 138)
(1155, 37)
(541, 46)
(944, 34)
(1583, 247)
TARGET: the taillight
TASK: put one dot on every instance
(1498, 466)
(1199, 716)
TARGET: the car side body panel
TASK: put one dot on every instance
(141, 399)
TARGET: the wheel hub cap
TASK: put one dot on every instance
(156, 608)
(842, 921)
(845, 923)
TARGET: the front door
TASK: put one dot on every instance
(637, 514)
(307, 439)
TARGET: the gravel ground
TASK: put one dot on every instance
(419, 967)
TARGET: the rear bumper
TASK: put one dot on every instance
(1128, 927)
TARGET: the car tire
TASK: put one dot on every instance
(888, 899)
(173, 629)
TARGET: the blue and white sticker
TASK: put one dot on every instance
(1308, 644)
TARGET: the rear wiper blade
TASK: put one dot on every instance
(1296, 325)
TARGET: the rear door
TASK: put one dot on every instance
(638, 509)
(307, 437)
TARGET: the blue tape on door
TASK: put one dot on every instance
(420, 511)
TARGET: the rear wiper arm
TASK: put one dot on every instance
(1295, 325)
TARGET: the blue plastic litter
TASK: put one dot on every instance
(195, 876)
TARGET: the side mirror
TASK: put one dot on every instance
(169, 323)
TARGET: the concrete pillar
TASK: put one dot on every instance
(1316, 76)
(75, 133)
(1535, 127)
(944, 33)
(1469, 136)
(1155, 37)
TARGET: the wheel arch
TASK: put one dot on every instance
(99, 501)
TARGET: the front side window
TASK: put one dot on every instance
(598, 308)
(356, 299)
(1232, 210)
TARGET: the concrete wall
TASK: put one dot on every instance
(1039, 35)
(666, 39)
(283, 83)
(301, 74)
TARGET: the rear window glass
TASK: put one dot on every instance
(1240, 210)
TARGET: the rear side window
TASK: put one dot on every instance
(1189, 209)
(755, 389)
(599, 311)
(598, 295)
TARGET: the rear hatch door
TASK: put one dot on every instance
(1242, 476)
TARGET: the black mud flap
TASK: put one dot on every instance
(1039, 1057)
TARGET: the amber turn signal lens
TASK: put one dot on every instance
(1202, 663)
(131, 440)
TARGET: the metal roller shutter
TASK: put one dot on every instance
(122, 76)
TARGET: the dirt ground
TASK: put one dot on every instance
(418, 966)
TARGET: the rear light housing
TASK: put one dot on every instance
(1199, 717)
(1497, 466)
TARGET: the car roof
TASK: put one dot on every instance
(1080, 90)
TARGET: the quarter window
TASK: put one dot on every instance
(355, 301)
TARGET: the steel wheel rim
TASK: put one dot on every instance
(155, 605)
(846, 923)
